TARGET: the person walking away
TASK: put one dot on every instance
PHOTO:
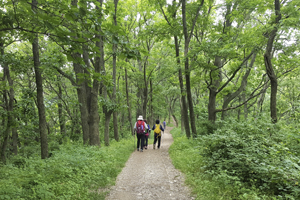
(140, 127)
(157, 133)
(146, 135)
(164, 123)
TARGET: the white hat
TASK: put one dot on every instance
(140, 117)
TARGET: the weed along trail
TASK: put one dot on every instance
(150, 175)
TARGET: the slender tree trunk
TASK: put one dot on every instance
(245, 106)
(40, 99)
(262, 97)
(212, 105)
(40, 93)
(61, 117)
(239, 110)
(233, 95)
(145, 92)
(82, 99)
(151, 121)
(128, 103)
(187, 70)
(9, 106)
(106, 110)
(94, 108)
(213, 91)
(115, 113)
(184, 112)
(106, 128)
(82, 92)
(15, 140)
(269, 67)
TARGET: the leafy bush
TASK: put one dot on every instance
(206, 127)
(73, 172)
(241, 160)
(185, 157)
(255, 154)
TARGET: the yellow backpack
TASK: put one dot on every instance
(157, 129)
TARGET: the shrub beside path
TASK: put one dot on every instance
(150, 175)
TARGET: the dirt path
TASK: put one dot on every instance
(150, 175)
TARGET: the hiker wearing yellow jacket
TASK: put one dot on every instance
(157, 133)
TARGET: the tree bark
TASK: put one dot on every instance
(151, 121)
(128, 103)
(94, 117)
(114, 98)
(245, 106)
(184, 112)
(243, 85)
(82, 99)
(213, 91)
(106, 128)
(82, 92)
(40, 98)
(40, 93)
(9, 106)
(262, 97)
(61, 116)
(15, 140)
(187, 39)
(268, 64)
(106, 110)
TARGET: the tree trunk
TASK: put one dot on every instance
(128, 103)
(114, 98)
(245, 106)
(9, 106)
(151, 121)
(187, 70)
(93, 111)
(269, 67)
(106, 128)
(181, 116)
(40, 98)
(262, 97)
(242, 87)
(82, 99)
(184, 112)
(213, 91)
(82, 92)
(15, 140)
(40, 93)
(61, 116)
(145, 92)
(175, 119)
(212, 105)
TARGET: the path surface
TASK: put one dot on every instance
(150, 175)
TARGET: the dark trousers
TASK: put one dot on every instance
(140, 140)
(157, 138)
(146, 140)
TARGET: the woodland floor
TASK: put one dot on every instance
(150, 175)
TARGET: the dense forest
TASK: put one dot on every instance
(76, 74)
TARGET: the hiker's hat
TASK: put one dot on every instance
(140, 117)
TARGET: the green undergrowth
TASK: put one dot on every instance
(187, 159)
(241, 160)
(72, 172)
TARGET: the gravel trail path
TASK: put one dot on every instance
(150, 175)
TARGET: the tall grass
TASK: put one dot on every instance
(72, 172)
